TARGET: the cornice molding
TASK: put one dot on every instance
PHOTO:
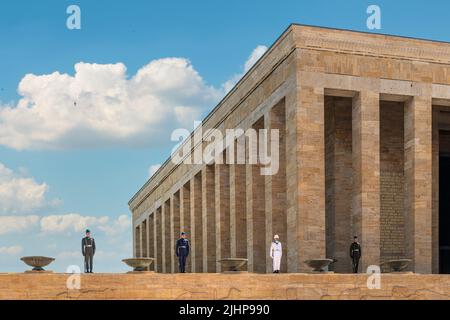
(351, 42)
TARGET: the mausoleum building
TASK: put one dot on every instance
(363, 124)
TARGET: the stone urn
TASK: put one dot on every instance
(319, 265)
(398, 265)
(139, 264)
(37, 262)
(233, 265)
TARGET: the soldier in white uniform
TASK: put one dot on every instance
(276, 253)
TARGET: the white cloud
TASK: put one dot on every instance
(20, 194)
(254, 57)
(68, 255)
(118, 226)
(65, 223)
(101, 254)
(74, 222)
(251, 60)
(100, 106)
(15, 224)
(13, 250)
(152, 169)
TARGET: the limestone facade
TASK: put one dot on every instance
(362, 121)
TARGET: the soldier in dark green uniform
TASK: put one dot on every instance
(355, 253)
(88, 250)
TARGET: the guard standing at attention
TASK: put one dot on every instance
(88, 250)
(355, 253)
(182, 251)
(276, 253)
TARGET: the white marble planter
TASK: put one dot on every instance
(139, 264)
(37, 262)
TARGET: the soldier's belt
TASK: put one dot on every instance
(88, 245)
(184, 247)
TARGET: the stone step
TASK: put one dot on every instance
(223, 286)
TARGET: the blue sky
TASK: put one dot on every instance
(64, 166)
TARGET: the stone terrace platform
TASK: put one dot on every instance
(223, 286)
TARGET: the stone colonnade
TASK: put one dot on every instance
(232, 210)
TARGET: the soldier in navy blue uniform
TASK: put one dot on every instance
(182, 251)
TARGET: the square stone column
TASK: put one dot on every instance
(256, 234)
(418, 182)
(291, 251)
(196, 251)
(366, 176)
(164, 215)
(174, 229)
(185, 218)
(133, 239)
(209, 219)
(137, 241)
(435, 192)
(151, 238)
(238, 205)
(144, 247)
(148, 236)
(305, 138)
(222, 195)
(158, 242)
(141, 242)
(275, 184)
(167, 236)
